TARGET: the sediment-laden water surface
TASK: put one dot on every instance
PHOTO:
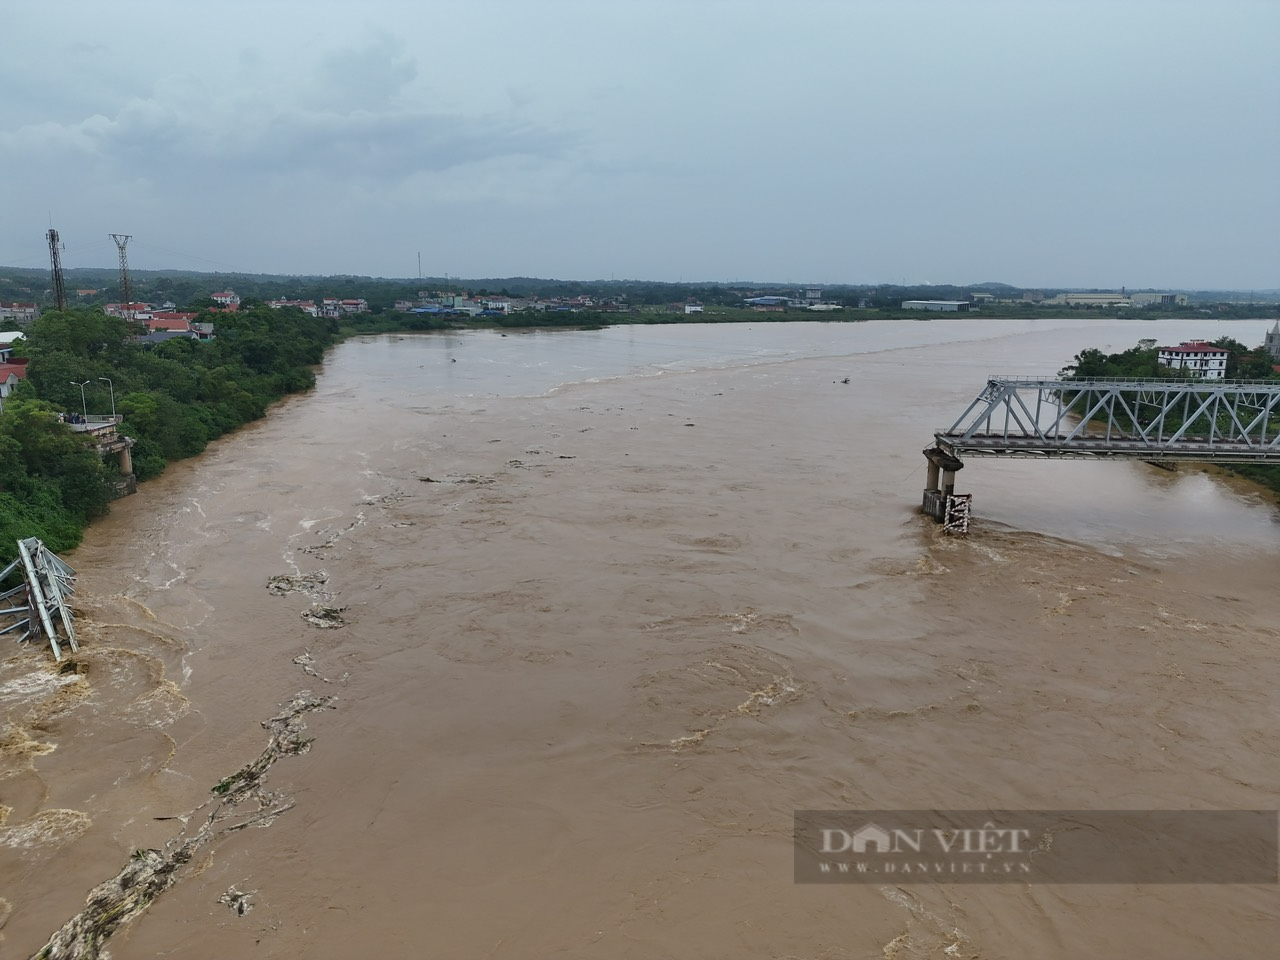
(598, 611)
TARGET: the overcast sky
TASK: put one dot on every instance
(1036, 142)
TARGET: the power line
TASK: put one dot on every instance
(228, 268)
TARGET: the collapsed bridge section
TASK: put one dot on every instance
(38, 606)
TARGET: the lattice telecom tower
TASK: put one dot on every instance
(126, 297)
(55, 261)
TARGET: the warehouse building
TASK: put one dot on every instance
(943, 306)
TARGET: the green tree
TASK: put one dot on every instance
(55, 457)
(1245, 363)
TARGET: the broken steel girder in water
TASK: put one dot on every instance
(38, 606)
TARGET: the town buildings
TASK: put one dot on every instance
(306, 306)
(335, 308)
(129, 311)
(331, 307)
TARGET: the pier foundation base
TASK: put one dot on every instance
(940, 499)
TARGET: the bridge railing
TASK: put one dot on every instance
(1173, 382)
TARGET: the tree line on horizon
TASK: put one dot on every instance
(185, 288)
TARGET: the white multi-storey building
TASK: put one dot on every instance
(21, 312)
(1198, 356)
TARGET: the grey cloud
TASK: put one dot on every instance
(370, 78)
(358, 111)
(397, 145)
(168, 141)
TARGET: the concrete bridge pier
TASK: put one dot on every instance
(940, 482)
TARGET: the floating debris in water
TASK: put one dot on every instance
(327, 618)
(311, 584)
(237, 900)
(307, 662)
(239, 801)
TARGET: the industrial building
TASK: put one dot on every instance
(1159, 299)
(1094, 299)
(943, 306)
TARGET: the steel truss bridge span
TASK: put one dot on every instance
(1165, 420)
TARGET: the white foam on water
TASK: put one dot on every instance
(39, 683)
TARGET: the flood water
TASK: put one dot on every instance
(600, 610)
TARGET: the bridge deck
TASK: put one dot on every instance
(1099, 448)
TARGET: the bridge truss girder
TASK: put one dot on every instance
(40, 604)
(1194, 420)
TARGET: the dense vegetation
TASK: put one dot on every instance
(174, 397)
(1243, 363)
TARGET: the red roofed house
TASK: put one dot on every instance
(170, 321)
(10, 374)
(22, 312)
(227, 298)
(1198, 356)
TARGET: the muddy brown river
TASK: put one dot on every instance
(598, 612)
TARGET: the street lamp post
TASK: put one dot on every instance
(112, 387)
(83, 407)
